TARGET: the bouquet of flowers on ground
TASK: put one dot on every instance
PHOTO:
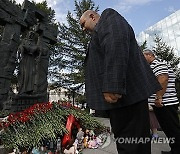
(42, 121)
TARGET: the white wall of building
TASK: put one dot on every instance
(58, 94)
(168, 29)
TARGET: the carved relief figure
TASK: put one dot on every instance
(29, 55)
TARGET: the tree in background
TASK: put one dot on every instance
(68, 58)
(66, 63)
(144, 45)
(166, 52)
(50, 13)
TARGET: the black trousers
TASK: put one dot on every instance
(169, 122)
(131, 128)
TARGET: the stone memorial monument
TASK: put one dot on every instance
(33, 54)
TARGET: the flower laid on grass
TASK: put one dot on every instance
(42, 121)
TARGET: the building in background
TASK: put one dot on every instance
(59, 94)
(69, 94)
(168, 29)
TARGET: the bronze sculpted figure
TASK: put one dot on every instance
(29, 55)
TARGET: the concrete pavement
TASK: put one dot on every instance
(156, 148)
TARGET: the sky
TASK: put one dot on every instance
(140, 14)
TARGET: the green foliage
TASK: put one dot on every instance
(44, 7)
(165, 52)
(46, 125)
(144, 45)
(71, 48)
(81, 99)
(82, 6)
